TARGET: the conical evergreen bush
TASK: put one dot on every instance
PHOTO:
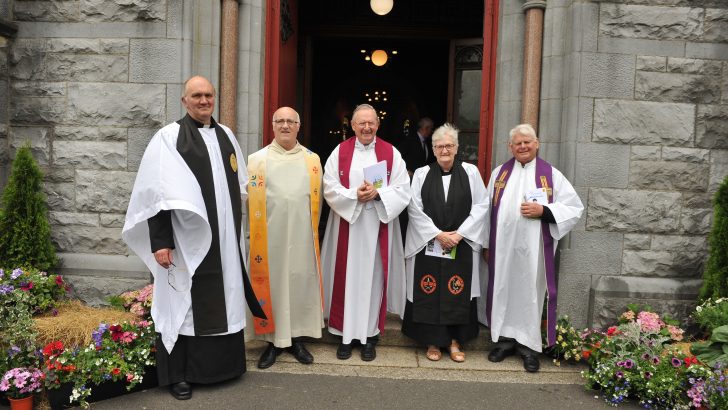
(25, 233)
(715, 276)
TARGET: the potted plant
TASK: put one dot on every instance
(119, 353)
(19, 384)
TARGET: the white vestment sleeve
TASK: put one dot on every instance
(420, 228)
(490, 193)
(473, 226)
(396, 195)
(342, 200)
(566, 208)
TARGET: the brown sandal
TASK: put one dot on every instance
(455, 354)
(433, 353)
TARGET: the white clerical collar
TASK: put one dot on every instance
(206, 125)
(529, 164)
(358, 145)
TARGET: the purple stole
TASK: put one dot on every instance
(543, 180)
(383, 151)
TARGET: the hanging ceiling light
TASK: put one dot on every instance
(379, 58)
(381, 7)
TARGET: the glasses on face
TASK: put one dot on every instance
(448, 147)
(288, 122)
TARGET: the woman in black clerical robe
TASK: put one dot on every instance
(443, 250)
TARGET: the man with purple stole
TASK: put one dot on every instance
(363, 242)
(532, 206)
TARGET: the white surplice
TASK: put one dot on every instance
(519, 286)
(421, 229)
(165, 182)
(364, 275)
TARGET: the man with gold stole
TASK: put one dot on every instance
(284, 206)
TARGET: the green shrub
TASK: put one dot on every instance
(715, 276)
(25, 233)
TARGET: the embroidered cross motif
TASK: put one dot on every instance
(499, 185)
(258, 214)
(258, 259)
(545, 186)
(315, 170)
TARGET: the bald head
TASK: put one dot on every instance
(286, 123)
(199, 99)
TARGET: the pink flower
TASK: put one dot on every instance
(628, 315)
(649, 322)
(676, 333)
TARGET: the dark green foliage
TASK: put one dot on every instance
(25, 234)
(715, 277)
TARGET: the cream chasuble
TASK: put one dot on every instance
(295, 282)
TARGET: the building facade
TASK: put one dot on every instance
(632, 107)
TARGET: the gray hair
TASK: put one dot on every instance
(443, 130)
(522, 129)
(364, 107)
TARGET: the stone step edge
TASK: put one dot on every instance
(419, 373)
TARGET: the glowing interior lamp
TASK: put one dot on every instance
(379, 58)
(381, 7)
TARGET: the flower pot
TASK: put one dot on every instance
(58, 398)
(26, 403)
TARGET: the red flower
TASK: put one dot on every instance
(28, 286)
(116, 332)
(115, 371)
(690, 360)
(53, 348)
(612, 331)
(59, 280)
(586, 353)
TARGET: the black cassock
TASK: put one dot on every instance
(203, 358)
(441, 309)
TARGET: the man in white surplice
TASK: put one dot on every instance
(532, 206)
(363, 221)
(184, 221)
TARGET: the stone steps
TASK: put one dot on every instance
(399, 357)
(393, 336)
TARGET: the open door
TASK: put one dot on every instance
(464, 94)
(281, 43)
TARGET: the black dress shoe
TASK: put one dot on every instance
(344, 351)
(500, 352)
(298, 350)
(181, 391)
(530, 362)
(369, 352)
(268, 357)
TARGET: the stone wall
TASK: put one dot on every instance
(90, 82)
(8, 31)
(645, 113)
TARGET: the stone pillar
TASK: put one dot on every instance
(229, 63)
(533, 43)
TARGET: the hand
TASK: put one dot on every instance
(366, 192)
(486, 254)
(531, 210)
(164, 257)
(448, 240)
